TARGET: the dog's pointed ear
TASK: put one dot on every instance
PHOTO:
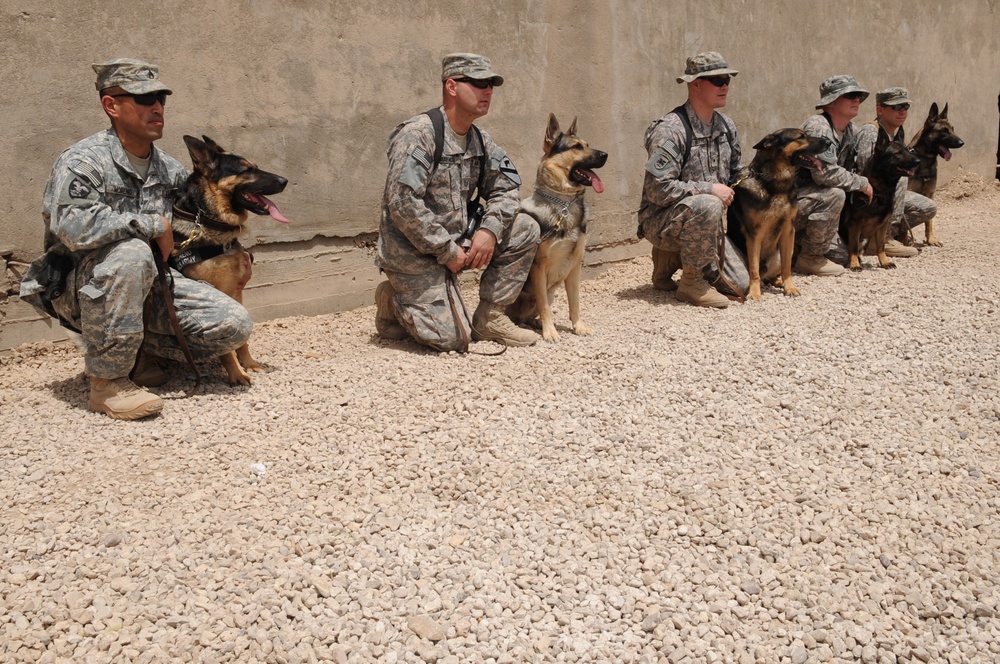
(572, 128)
(763, 143)
(932, 114)
(551, 132)
(944, 113)
(202, 155)
(210, 143)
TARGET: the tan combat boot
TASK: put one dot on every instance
(896, 249)
(489, 323)
(693, 289)
(147, 371)
(386, 324)
(121, 399)
(772, 269)
(665, 263)
(819, 266)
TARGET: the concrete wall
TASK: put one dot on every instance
(311, 89)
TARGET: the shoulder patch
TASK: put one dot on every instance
(662, 158)
(88, 172)
(508, 169)
(77, 189)
(422, 157)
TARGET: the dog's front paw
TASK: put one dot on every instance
(792, 291)
(888, 265)
(582, 329)
(931, 242)
(549, 333)
(241, 378)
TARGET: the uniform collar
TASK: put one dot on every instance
(120, 158)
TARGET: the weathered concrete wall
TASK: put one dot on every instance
(311, 89)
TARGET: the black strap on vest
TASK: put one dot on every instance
(682, 115)
(437, 119)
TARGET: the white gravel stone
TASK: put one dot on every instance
(812, 477)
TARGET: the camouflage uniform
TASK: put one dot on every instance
(678, 211)
(423, 216)
(910, 209)
(98, 211)
(821, 194)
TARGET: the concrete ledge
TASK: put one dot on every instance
(311, 278)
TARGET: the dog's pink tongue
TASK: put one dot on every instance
(273, 210)
(946, 153)
(595, 182)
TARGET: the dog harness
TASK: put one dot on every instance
(184, 254)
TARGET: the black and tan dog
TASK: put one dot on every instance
(936, 138)
(862, 220)
(761, 217)
(558, 205)
(209, 218)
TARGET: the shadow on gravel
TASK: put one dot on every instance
(75, 390)
(406, 345)
(649, 294)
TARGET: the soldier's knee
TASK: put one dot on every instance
(527, 228)
(707, 206)
(240, 324)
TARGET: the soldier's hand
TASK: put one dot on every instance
(868, 192)
(484, 243)
(457, 263)
(723, 193)
(166, 241)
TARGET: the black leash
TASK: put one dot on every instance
(168, 301)
(459, 313)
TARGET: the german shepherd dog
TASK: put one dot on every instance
(936, 138)
(207, 220)
(761, 217)
(862, 220)
(557, 204)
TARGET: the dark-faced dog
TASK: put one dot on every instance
(760, 220)
(936, 138)
(863, 220)
(207, 220)
(557, 205)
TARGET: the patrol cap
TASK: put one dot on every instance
(892, 97)
(469, 65)
(837, 86)
(133, 76)
(709, 63)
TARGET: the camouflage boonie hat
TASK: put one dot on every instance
(470, 65)
(133, 76)
(709, 63)
(837, 86)
(892, 97)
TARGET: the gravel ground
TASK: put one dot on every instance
(795, 480)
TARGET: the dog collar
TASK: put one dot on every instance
(557, 199)
(201, 219)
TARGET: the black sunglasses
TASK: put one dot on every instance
(481, 83)
(854, 95)
(717, 81)
(899, 107)
(147, 99)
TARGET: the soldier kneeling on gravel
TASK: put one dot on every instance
(910, 209)
(694, 155)
(109, 197)
(425, 235)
